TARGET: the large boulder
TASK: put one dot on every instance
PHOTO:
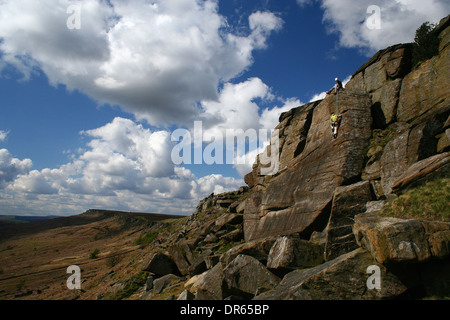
(178, 257)
(162, 283)
(160, 264)
(344, 278)
(258, 249)
(290, 252)
(349, 201)
(228, 219)
(245, 275)
(199, 264)
(393, 240)
(210, 284)
(431, 168)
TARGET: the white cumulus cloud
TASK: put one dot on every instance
(155, 59)
(399, 19)
(11, 168)
(123, 165)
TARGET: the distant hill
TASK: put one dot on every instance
(23, 225)
(25, 218)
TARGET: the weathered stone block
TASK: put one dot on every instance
(160, 264)
(393, 240)
(210, 284)
(434, 167)
(344, 278)
(258, 249)
(245, 275)
(289, 252)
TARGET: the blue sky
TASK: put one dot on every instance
(86, 114)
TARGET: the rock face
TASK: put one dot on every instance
(312, 230)
(298, 199)
(407, 108)
(424, 91)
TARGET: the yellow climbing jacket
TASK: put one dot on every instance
(334, 118)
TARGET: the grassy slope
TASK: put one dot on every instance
(33, 264)
(428, 202)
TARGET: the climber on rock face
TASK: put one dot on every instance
(335, 122)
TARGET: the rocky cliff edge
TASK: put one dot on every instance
(314, 230)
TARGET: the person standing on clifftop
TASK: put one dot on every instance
(338, 87)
